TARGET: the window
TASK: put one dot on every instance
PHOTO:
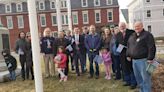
(97, 16)
(19, 7)
(54, 19)
(20, 21)
(43, 20)
(41, 5)
(8, 8)
(63, 3)
(109, 2)
(52, 4)
(64, 19)
(163, 12)
(110, 15)
(9, 22)
(149, 28)
(147, 1)
(75, 17)
(148, 13)
(0, 21)
(84, 3)
(97, 2)
(85, 17)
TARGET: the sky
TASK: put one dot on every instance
(123, 3)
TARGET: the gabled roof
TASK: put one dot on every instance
(125, 14)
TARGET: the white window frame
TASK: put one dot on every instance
(22, 20)
(43, 5)
(83, 4)
(65, 21)
(51, 4)
(0, 21)
(20, 7)
(107, 2)
(42, 15)
(53, 14)
(95, 3)
(110, 10)
(6, 8)
(76, 14)
(9, 18)
(64, 2)
(98, 11)
(85, 12)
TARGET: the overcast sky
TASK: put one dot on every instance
(123, 3)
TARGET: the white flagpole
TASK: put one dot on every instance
(59, 20)
(35, 45)
(69, 15)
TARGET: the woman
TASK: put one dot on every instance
(106, 38)
(47, 49)
(20, 49)
(29, 62)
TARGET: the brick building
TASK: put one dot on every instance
(14, 14)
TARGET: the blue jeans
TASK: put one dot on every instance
(12, 75)
(91, 57)
(142, 76)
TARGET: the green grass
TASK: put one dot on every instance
(74, 84)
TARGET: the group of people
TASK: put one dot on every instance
(127, 52)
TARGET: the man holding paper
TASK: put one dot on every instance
(127, 70)
(141, 50)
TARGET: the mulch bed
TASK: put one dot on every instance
(158, 78)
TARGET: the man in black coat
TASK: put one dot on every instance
(141, 50)
(127, 70)
(78, 47)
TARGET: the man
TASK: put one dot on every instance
(85, 33)
(92, 43)
(141, 49)
(122, 38)
(78, 46)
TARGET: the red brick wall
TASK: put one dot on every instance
(15, 31)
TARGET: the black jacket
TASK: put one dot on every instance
(121, 40)
(81, 45)
(10, 62)
(141, 46)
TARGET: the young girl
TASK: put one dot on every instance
(60, 60)
(107, 62)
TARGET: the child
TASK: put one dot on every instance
(61, 59)
(10, 62)
(107, 62)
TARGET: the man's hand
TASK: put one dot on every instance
(91, 50)
(129, 59)
(150, 61)
(94, 50)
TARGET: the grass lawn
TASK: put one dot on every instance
(74, 84)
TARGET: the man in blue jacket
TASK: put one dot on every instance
(92, 43)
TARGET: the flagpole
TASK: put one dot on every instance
(58, 11)
(69, 15)
(35, 45)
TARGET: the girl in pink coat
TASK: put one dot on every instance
(107, 62)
